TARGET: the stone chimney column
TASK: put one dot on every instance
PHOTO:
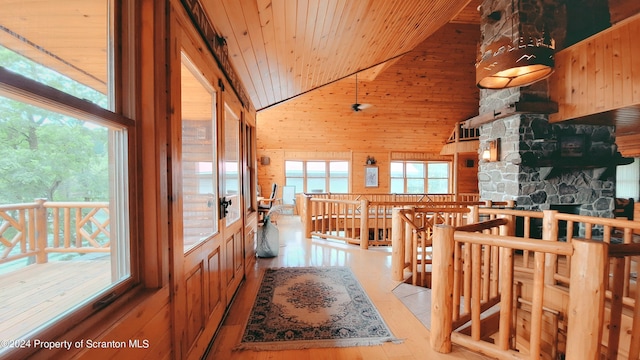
(528, 141)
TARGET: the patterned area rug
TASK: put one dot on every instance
(299, 308)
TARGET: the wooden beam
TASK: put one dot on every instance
(523, 107)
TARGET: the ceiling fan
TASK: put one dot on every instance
(357, 106)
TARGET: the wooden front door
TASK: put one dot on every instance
(206, 221)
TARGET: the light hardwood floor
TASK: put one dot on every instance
(372, 268)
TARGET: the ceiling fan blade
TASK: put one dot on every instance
(356, 106)
(360, 107)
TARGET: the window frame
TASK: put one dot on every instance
(120, 115)
(447, 177)
(425, 177)
(327, 177)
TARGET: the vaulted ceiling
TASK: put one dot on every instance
(284, 48)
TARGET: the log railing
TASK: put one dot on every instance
(593, 314)
(462, 133)
(34, 230)
(546, 225)
(413, 238)
(380, 197)
(356, 219)
(301, 198)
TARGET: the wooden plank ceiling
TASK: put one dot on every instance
(284, 48)
(280, 48)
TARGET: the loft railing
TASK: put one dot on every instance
(576, 297)
(35, 230)
(461, 133)
(363, 219)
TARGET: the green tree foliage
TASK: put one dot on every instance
(44, 154)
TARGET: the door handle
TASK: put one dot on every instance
(224, 205)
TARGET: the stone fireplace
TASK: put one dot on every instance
(542, 165)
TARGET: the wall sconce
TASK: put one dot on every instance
(491, 152)
(371, 160)
(265, 160)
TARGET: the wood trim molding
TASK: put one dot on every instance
(522, 107)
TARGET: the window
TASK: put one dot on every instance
(413, 177)
(294, 175)
(64, 198)
(318, 176)
(438, 177)
(249, 186)
(628, 180)
(199, 161)
(338, 177)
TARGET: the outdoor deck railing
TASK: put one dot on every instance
(35, 230)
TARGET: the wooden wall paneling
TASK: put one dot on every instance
(607, 70)
(274, 172)
(561, 80)
(598, 74)
(149, 319)
(589, 63)
(358, 173)
(634, 30)
(626, 71)
(318, 155)
(577, 87)
(616, 63)
(599, 48)
(468, 175)
(149, 341)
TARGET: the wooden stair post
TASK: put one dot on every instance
(397, 246)
(364, 224)
(442, 288)
(589, 272)
(308, 216)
